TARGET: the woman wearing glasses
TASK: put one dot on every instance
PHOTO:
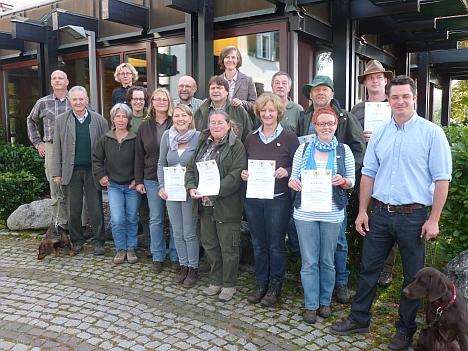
(318, 223)
(126, 75)
(146, 178)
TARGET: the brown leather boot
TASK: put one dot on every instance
(273, 294)
(257, 295)
(181, 274)
(192, 277)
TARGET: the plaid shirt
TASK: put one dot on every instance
(46, 108)
(194, 103)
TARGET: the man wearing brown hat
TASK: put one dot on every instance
(320, 91)
(374, 79)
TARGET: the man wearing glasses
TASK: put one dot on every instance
(186, 89)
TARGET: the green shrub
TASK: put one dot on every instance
(16, 189)
(454, 236)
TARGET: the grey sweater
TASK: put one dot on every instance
(171, 158)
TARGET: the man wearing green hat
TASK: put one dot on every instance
(320, 91)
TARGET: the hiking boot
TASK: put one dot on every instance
(192, 277)
(324, 311)
(400, 342)
(175, 267)
(119, 257)
(347, 327)
(385, 279)
(157, 266)
(226, 294)
(212, 290)
(273, 294)
(309, 316)
(181, 274)
(131, 256)
(98, 249)
(342, 293)
(257, 295)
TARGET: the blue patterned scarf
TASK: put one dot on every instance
(308, 159)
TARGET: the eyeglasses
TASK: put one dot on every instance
(125, 73)
(160, 99)
(138, 99)
(323, 124)
(217, 123)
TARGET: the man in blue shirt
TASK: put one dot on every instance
(407, 167)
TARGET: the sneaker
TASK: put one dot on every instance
(400, 342)
(226, 294)
(385, 279)
(157, 266)
(119, 257)
(324, 311)
(271, 297)
(192, 277)
(98, 249)
(212, 290)
(175, 267)
(257, 295)
(131, 256)
(342, 293)
(347, 327)
(309, 316)
(181, 274)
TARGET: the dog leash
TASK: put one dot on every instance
(430, 252)
(59, 201)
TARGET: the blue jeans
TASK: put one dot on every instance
(184, 228)
(317, 241)
(268, 222)
(293, 241)
(341, 254)
(386, 228)
(156, 207)
(124, 203)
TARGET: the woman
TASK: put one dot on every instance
(220, 215)
(146, 159)
(126, 75)
(177, 146)
(318, 230)
(268, 218)
(113, 161)
(241, 87)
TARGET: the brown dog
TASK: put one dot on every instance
(55, 238)
(446, 315)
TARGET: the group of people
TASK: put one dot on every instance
(214, 148)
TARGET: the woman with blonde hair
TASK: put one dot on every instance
(126, 75)
(146, 177)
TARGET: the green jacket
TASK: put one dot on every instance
(228, 205)
(349, 131)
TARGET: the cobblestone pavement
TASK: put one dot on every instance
(87, 303)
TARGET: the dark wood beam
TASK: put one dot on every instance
(360, 9)
(389, 25)
(187, 6)
(446, 99)
(27, 29)
(125, 13)
(407, 37)
(305, 24)
(8, 43)
(451, 22)
(62, 18)
(423, 84)
(428, 46)
(446, 56)
(205, 46)
(374, 53)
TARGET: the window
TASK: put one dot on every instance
(171, 65)
(266, 45)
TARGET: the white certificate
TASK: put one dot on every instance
(316, 190)
(174, 183)
(375, 114)
(261, 182)
(208, 178)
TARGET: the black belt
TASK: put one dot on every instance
(398, 208)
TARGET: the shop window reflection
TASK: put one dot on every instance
(170, 63)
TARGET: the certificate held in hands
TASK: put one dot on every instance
(375, 114)
(261, 182)
(208, 178)
(174, 183)
(316, 190)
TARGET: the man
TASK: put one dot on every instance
(76, 133)
(47, 109)
(407, 168)
(137, 97)
(374, 79)
(218, 100)
(349, 132)
(186, 89)
(281, 84)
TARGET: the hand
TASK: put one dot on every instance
(338, 180)
(245, 175)
(104, 181)
(163, 194)
(367, 135)
(57, 180)
(41, 149)
(362, 223)
(280, 173)
(132, 184)
(295, 184)
(140, 188)
(236, 102)
(430, 230)
(194, 194)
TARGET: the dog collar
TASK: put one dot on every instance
(443, 307)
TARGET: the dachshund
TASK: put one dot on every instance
(446, 326)
(55, 238)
